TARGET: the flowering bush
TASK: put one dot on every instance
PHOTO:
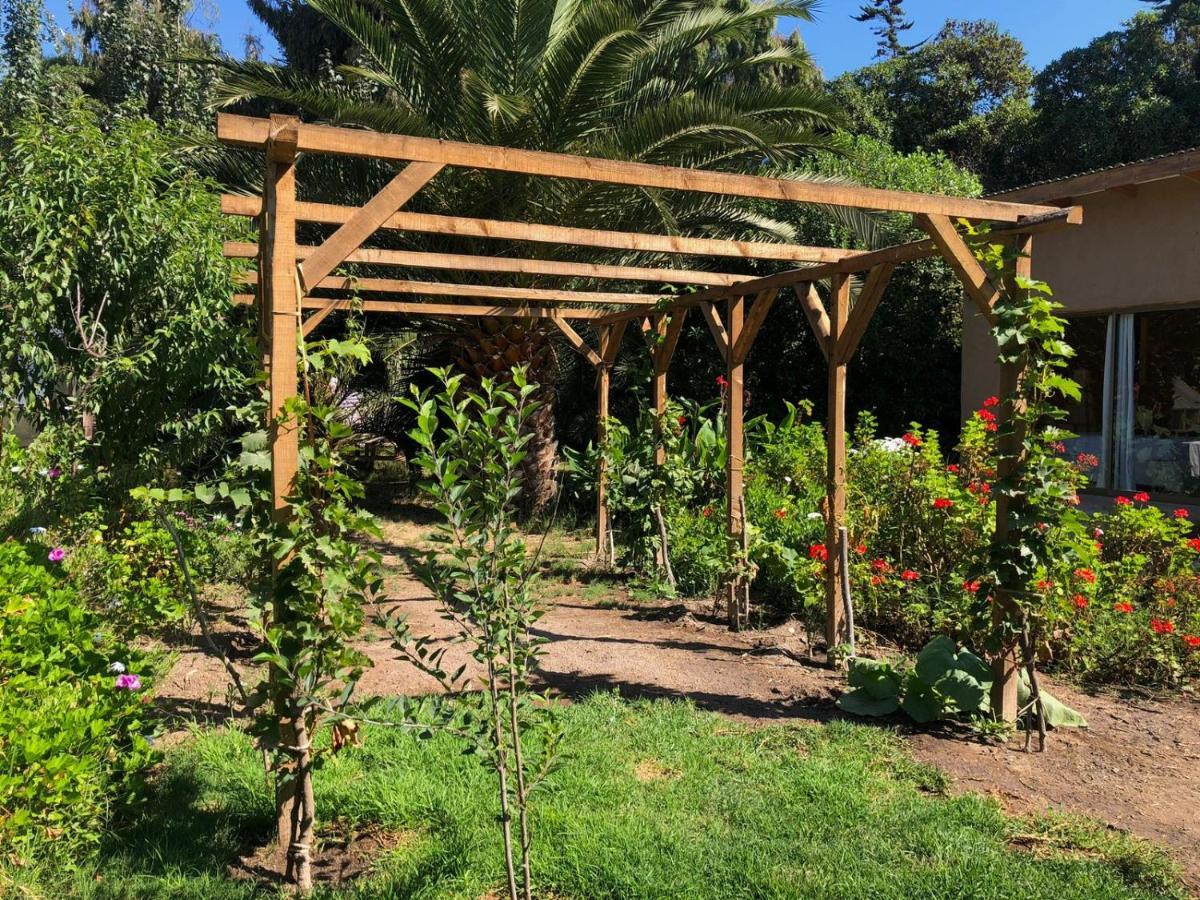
(71, 727)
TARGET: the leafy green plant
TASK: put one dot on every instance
(73, 737)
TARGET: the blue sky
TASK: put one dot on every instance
(1047, 27)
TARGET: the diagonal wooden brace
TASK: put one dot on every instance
(365, 222)
(575, 340)
(864, 308)
(818, 318)
(960, 258)
(758, 314)
(713, 320)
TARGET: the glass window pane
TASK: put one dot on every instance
(1088, 335)
(1166, 409)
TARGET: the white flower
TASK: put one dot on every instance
(117, 668)
(14, 469)
(891, 445)
(43, 472)
(814, 516)
(37, 529)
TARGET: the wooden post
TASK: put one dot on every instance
(735, 434)
(281, 300)
(659, 386)
(835, 486)
(1005, 666)
(602, 389)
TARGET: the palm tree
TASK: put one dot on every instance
(698, 83)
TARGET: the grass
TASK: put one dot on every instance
(652, 799)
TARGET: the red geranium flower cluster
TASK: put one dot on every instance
(971, 587)
(912, 440)
(1045, 585)
(1087, 460)
(1080, 601)
(877, 580)
(990, 402)
(1181, 513)
(722, 382)
(707, 512)
(1141, 497)
(943, 503)
(1123, 501)
(1192, 641)
(781, 513)
(910, 575)
(988, 418)
(818, 551)
(881, 565)
(1123, 607)
(952, 468)
(1086, 575)
(1194, 543)
(1162, 626)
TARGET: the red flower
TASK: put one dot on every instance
(1162, 626)
(860, 549)
(818, 551)
(992, 427)
(1073, 499)
(707, 512)
(1080, 601)
(880, 565)
(1086, 574)
(722, 382)
(1194, 543)
(952, 468)
(912, 440)
(1181, 513)
(1058, 447)
(979, 487)
(781, 513)
(1045, 585)
(971, 587)
(943, 503)
(1192, 641)
(986, 415)
(1087, 460)
(1141, 497)
(910, 575)
(991, 401)
(1122, 501)
(1123, 607)
(877, 580)
(682, 420)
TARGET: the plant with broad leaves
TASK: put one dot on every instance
(472, 446)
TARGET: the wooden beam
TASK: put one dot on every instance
(754, 321)
(960, 258)
(243, 131)
(483, 291)
(1106, 179)
(610, 342)
(461, 226)
(366, 221)
(666, 350)
(464, 262)
(818, 319)
(575, 340)
(436, 309)
(835, 476)
(864, 309)
(603, 385)
(713, 320)
(311, 323)
(735, 411)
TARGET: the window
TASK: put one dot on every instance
(1139, 419)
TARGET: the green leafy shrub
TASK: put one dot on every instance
(71, 729)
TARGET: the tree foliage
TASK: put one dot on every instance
(892, 23)
(114, 292)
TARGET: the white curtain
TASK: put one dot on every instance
(1119, 366)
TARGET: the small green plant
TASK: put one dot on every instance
(472, 446)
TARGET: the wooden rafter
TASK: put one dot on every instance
(462, 226)
(864, 309)
(465, 262)
(483, 291)
(366, 221)
(465, 310)
(243, 131)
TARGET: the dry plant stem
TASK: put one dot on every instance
(665, 551)
(198, 610)
(1035, 692)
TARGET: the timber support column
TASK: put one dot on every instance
(282, 305)
(1006, 664)
(659, 385)
(602, 388)
(835, 483)
(735, 411)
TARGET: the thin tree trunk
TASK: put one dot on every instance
(519, 762)
(302, 818)
(501, 753)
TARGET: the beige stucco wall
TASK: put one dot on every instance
(1131, 252)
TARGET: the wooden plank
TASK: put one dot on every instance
(463, 262)
(1005, 663)
(666, 350)
(575, 340)
(602, 390)
(243, 131)
(658, 392)
(758, 314)
(818, 319)
(365, 221)
(960, 258)
(484, 291)
(311, 323)
(437, 309)
(735, 411)
(461, 226)
(835, 476)
(717, 328)
(864, 309)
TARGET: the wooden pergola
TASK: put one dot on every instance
(292, 279)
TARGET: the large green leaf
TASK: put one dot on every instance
(921, 701)
(861, 703)
(1058, 714)
(875, 677)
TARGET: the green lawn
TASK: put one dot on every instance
(651, 800)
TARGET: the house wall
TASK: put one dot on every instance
(1130, 253)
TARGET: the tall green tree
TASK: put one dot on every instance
(21, 68)
(892, 23)
(1129, 94)
(622, 79)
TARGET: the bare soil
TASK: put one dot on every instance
(341, 857)
(1135, 767)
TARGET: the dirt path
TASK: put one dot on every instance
(1136, 767)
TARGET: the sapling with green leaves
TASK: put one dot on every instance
(472, 443)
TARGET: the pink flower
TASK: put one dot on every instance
(943, 503)
(57, 555)
(55, 472)
(1141, 497)
(127, 683)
